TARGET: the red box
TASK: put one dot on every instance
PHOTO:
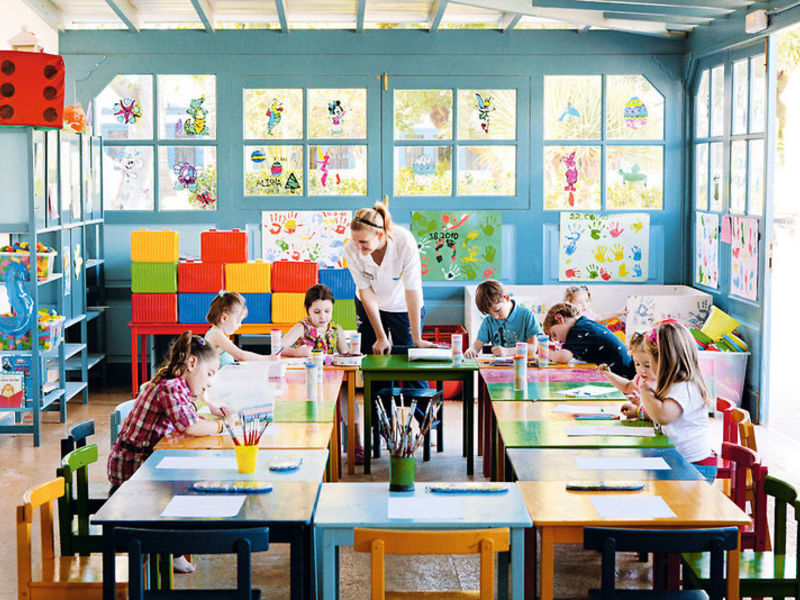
(31, 89)
(290, 276)
(154, 308)
(200, 277)
(223, 246)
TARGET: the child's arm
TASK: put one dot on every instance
(503, 351)
(561, 356)
(288, 341)
(220, 341)
(474, 349)
(342, 347)
(204, 427)
(623, 385)
(664, 411)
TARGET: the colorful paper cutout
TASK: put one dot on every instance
(635, 113)
(707, 249)
(484, 107)
(604, 248)
(458, 246)
(305, 235)
(744, 257)
(75, 118)
(274, 114)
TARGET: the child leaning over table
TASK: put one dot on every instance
(505, 323)
(645, 359)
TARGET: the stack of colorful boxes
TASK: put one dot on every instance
(344, 292)
(154, 276)
(290, 280)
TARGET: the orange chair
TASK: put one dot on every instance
(740, 418)
(379, 542)
(63, 577)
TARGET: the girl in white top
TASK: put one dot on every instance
(384, 262)
(680, 401)
(226, 313)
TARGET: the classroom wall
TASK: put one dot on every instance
(16, 14)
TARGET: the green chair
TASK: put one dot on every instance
(77, 537)
(121, 411)
(772, 574)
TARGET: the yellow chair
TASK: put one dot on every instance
(747, 433)
(63, 577)
(379, 542)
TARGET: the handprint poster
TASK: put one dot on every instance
(461, 246)
(706, 269)
(603, 248)
(744, 257)
(317, 235)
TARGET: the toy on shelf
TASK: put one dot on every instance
(75, 118)
(20, 252)
(154, 246)
(248, 277)
(294, 277)
(32, 85)
(223, 246)
(154, 308)
(51, 332)
(200, 277)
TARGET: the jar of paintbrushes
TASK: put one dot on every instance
(246, 446)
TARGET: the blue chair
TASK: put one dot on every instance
(121, 411)
(242, 542)
(77, 436)
(611, 541)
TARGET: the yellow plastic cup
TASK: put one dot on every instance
(719, 323)
(246, 458)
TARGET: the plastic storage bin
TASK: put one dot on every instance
(289, 276)
(193, 308)
(247, 278)
(154, 278)
(288, 307)
(344, 313)
(725, 373)
(440, 334)
(51, 333)
(259, 308)
(154, 308)
(223, 246)
(154, 246)
(44, 263)
(199, 277)
(340, 281)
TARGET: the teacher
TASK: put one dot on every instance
(384, 262)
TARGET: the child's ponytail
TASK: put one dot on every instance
(678, 360)
(181, 348)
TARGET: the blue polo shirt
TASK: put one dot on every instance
(518, 327)
(594, 343)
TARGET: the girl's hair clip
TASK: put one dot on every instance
(200, 340)
(652, 336)
(221, 293)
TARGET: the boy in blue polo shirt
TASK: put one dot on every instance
(505, 323)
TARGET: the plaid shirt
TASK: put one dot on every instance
(158, 410)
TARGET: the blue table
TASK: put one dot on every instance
(344, 506)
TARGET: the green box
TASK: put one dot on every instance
(344, 313)
(154, 278)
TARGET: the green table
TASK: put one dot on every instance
(297, 411)
(397, 367)
(500, 392)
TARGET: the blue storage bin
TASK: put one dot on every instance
(340, 281)
(259, 308)
(193, 308)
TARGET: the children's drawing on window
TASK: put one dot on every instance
(195, 123)
(127, 111)
(336, 113)
(483, 107)
(274, 115)
(571, 175)
(187, 177)
(424, 170)
(635, 113)
(570, 112)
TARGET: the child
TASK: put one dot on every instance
(165, 404)
(586, 340)
(226, 313)
(680, 400)
(580, 297)
(505, 322)
(645, 359)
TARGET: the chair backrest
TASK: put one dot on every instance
(39, 497)
(611, 541)
(746, 468)
(121, 412)
(75, 472)
(242, 542)
(729, 431)
(76, 436)
(747, 433)
(379, 542)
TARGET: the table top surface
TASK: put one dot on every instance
(558, 464)
(695, 504)
(537, 390)
(392, 362)
(277, 436)
(220, 465)
(347, 505)
(563, 373)
(551, 434)
(543, 411)
(304, 411)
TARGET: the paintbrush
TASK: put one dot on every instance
(230, 431)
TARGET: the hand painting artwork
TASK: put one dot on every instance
(645, 311)
(707, 249)
(305, 235)
(598, 248)
(572, 177)
(458, 246)
(744, 257)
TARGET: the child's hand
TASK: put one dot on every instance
(630, 410)
(498, 351)
(304, 350)
(470, 352)
(602, 370)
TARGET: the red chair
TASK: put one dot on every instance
(743, 461)
(730, 434)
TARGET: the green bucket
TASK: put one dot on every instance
(401, 473)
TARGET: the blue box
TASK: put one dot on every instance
(340, 281)
(193, 308)
(259, 308)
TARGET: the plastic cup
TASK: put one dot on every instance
(544, 350)
(274, 340)
(457, 346)
(520, 372)
(318, 358)
(533, 349)
(246, 458)
(355, 343)
(401, 473)
(312, 386)
(521, 349)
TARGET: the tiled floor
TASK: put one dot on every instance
(21, 466)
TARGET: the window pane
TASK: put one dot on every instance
(572, 107)
(634, 176)
(273, 170)
(124, 109)
(758, 92)
(715, 157)
(337, 170)
(423, 114)
(487, 114)
(423, 170)
(634, 108)
(337, 113)
(717, 99)
(701, 107)
(273, 113)
(487, 170)
(701, 176)
(187, 106)
(738, 176)
(128, 178)
(755, 178)
(740, 85)
(187, 177)
(572, 177)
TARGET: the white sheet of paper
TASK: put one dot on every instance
(207, 505)
(575, 409)
(581, 430)
(426, 508)
(621, 463)
(432, 354)
(589, 391)
(192, 462)
(622, 506)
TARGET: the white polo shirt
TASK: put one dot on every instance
(399, 271)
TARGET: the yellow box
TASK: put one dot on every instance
(287, 307)
(154, 246)
(247, 278)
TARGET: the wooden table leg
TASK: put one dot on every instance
(334, 453)
(134, 363)
(548, 563)
(351, 428)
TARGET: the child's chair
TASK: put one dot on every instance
(77, 437)
(740, 419)
(423, 396)
(64, 577)
(121, 411)
(379, 542)
(74, 507)
(729, 434)
(745, 462)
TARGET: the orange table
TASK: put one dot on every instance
(560, 516)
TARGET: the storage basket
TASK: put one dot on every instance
(247, 278)
(290, 276)
(193, 308)
(259, 308)
(440, 334)
(51, 333)
(44, 263)
(154, 246)
(154, 308)
(154, 278)
(200, 278)
(223, 246)
(288, 307)
(339, 281)
(344, 313)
